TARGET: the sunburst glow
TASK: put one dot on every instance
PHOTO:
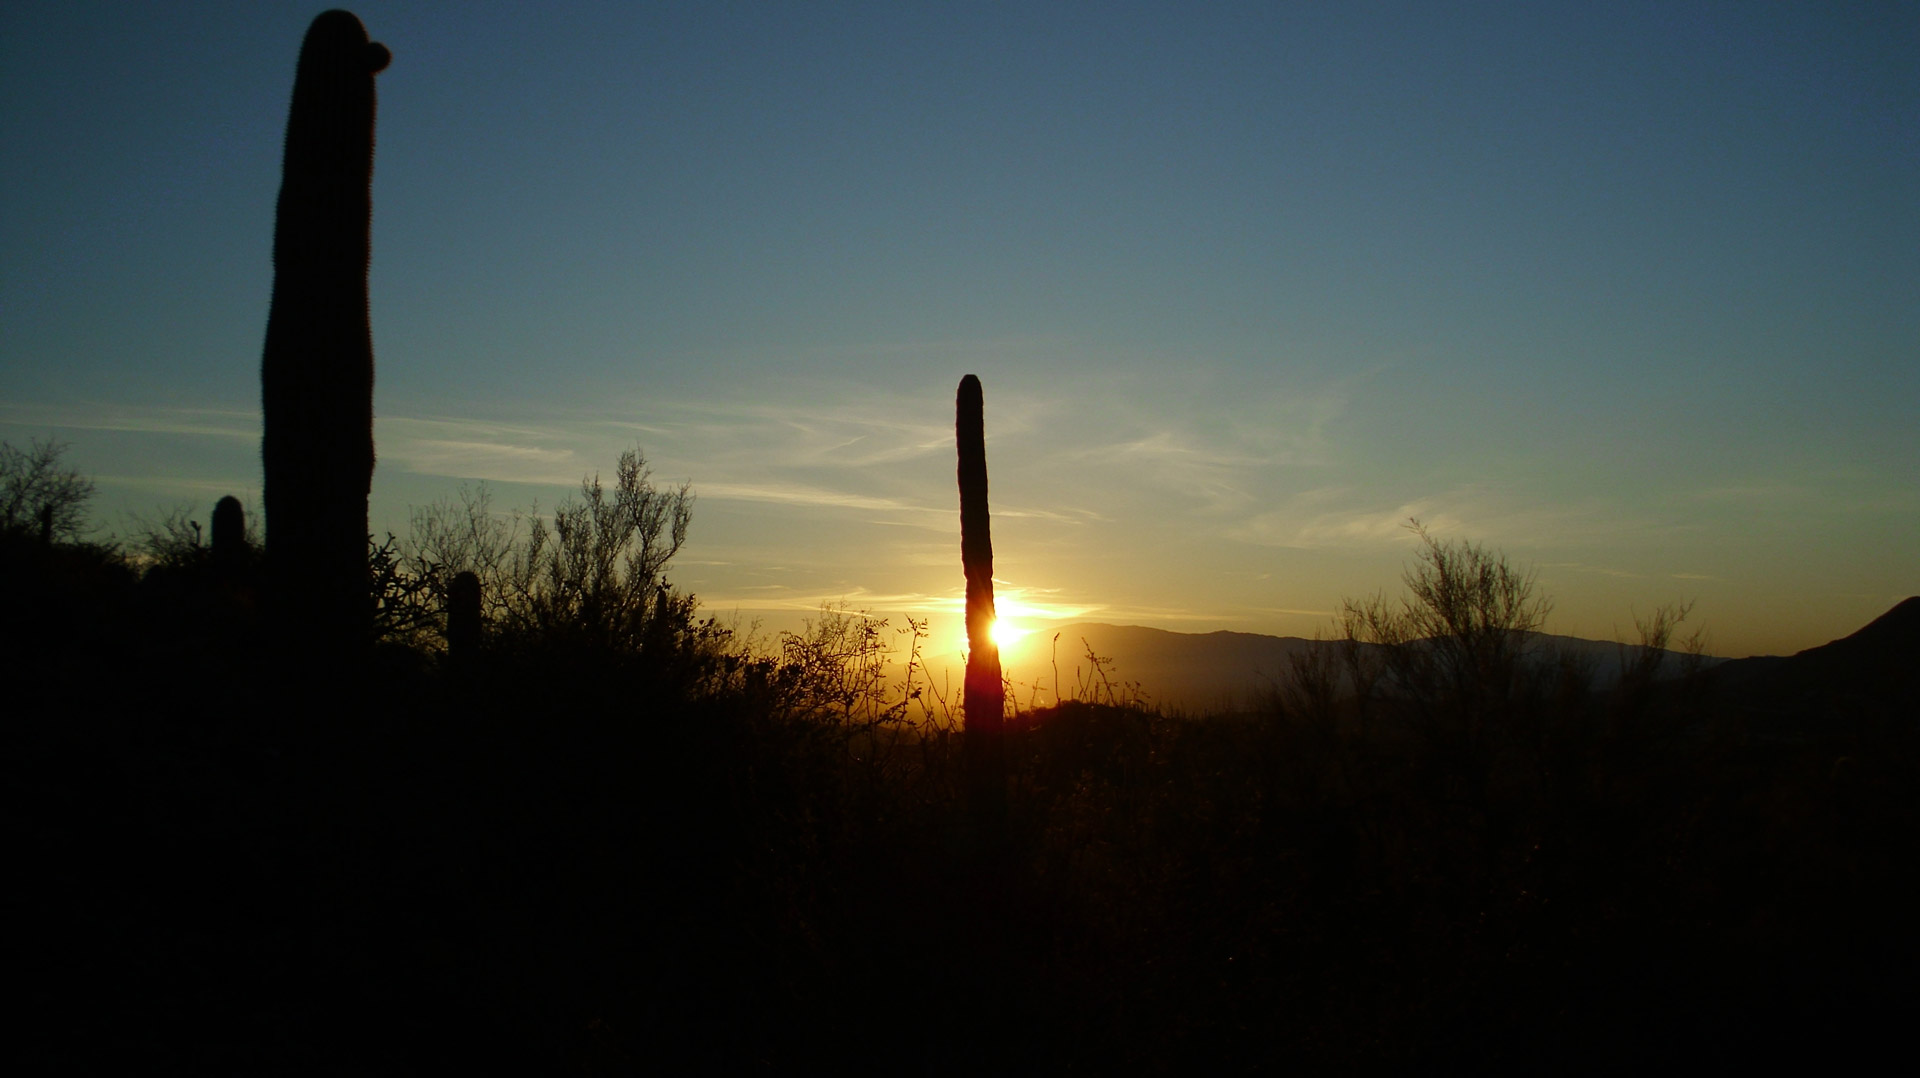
(1025, 618)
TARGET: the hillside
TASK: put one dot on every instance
(1228, 670)
(1866, 676)
(1200, 671)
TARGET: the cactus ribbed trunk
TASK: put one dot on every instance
(316, 374)
(985, 694)
(463, 616)
(229, 532)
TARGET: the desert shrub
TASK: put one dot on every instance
(465, 535)
(1454, 650)
(595, 577)
(590, 577)
(175, 541)
(837, 668)
(172, 541)
(409, 610)
(39, 496)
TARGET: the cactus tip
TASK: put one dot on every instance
(340, 35)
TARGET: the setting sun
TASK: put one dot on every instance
(1006, 634)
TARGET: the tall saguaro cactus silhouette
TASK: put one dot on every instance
(985, 694)
(316, 375)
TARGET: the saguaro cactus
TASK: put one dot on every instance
(229, 531)
(316, 375)
(985, 694)
(463, 616)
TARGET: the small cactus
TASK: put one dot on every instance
(985, 697)
(463, 615)
(316, 373)
(229, 531)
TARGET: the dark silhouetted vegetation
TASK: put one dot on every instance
(41, 498)
(613, 836)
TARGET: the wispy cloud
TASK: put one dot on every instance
(1016, 603)
(1132, 614)
(795, 494)
(199, 422)
(1834, 492)
(476, 449)
(842, 436)
(1340, 517)
(1073, 516)
(1306, 524)
(1752, 493)
(1222, 463)
(1289, 611)
(854, 600)
(1592, 570)
(212, 488)
(1172, 449)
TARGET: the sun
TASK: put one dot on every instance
(1006, 633)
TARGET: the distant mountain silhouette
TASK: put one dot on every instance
(1192, 670)
(1209, 671)
(1868, 674)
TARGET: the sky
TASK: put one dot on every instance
(1629, 292)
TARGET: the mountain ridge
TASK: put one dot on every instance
(1232, 668)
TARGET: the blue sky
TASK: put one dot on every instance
(1629, 291)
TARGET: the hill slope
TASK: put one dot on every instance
(1210, 671)
(1864, 675)
(1189, 670)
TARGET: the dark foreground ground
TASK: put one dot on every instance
(576, 863)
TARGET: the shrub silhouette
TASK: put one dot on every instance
(1456, 646)
(592, 577)
(175, 542)
(465, 534)
(39, 497)
(316, 371)
(596, 579)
